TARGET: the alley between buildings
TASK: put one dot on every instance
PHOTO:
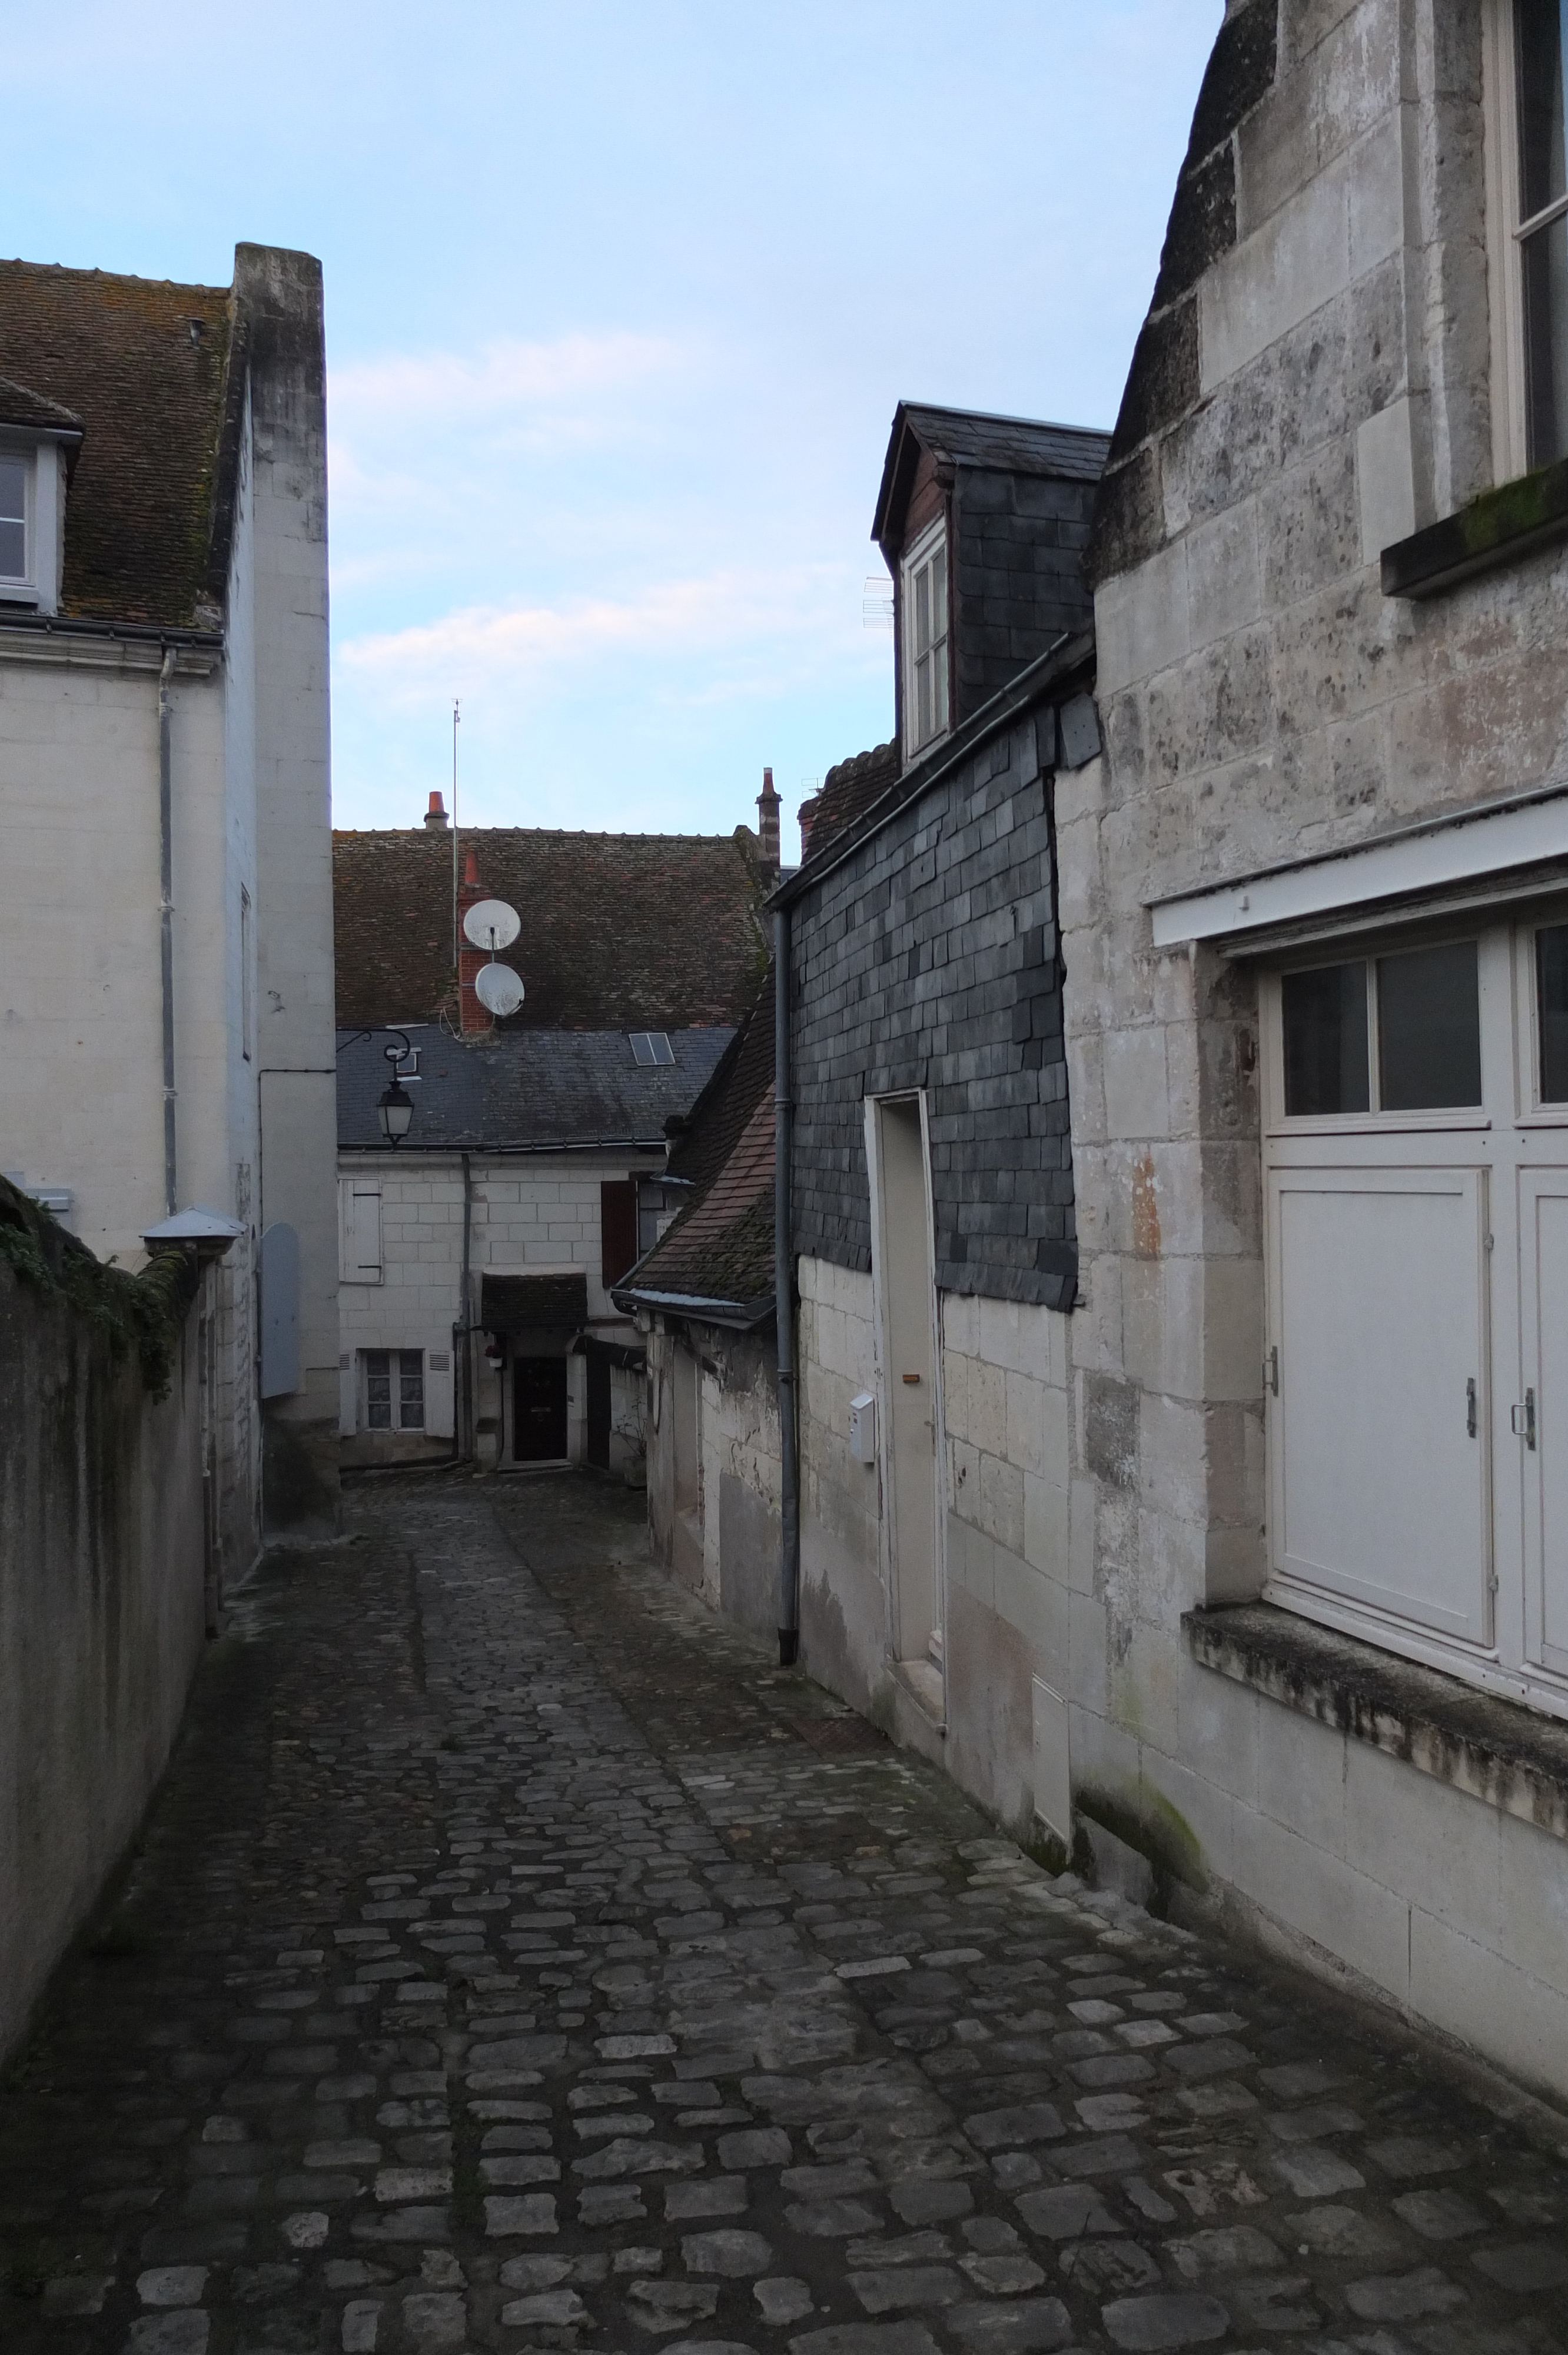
(515, 1957)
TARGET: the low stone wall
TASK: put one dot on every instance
(101, 1560)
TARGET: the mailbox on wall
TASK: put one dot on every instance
(862, 1428)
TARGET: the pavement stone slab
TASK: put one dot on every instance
(516, 1958)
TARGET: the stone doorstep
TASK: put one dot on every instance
(1496, 1749)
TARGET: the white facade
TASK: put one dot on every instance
(400, 1239)
(81, 999)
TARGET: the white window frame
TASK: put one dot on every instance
(1511, 438)
(394, 1353)
(1513, 1137)
(40, 456)
(913, 562)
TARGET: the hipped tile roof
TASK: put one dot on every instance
(848, 789)
(620, 931)
(720, 1249)
(140, 363)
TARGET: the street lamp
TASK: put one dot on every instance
(394, 1105)
(394, 1110)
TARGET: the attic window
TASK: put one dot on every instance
(926, 638)
(14, 473)
(650, 1048)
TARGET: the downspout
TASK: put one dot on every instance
(166, 918)
(463, 1332)
(784, 1305)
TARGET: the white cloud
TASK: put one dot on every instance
(725, 614)
(412, 388)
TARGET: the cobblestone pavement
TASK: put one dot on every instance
(515, 1959)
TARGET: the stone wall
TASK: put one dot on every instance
(101, 1617)
(734, 1564)
(1313, 383)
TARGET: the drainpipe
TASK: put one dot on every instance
(784, 1305)
(166, 918)
(463, 1332)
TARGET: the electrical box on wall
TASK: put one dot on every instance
(862, 1428)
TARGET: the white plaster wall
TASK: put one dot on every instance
(80, 995)
(844, 1597)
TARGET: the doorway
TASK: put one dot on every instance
(539, 1410)
(907, 1298)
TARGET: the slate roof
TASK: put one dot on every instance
(719, 1251)
(634, 932)
(967, 437)
(140, 364)
(847, 789)
(533, 1089)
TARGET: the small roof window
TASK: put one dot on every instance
(649, 1047)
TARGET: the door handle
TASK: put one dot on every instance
(1470, 1406)
(1523, 1421)
(1271, 1373)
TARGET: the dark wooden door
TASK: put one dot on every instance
(538, 1410)
(598, 1409)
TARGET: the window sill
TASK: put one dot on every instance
(1497, 1749)
(1499, 527)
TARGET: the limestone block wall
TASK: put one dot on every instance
(101, 1614)
(844, 1596)
(1009, 1613)
(1314, 382)
(739, 1468)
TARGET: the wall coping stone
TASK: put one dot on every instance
(1499, 527)
(1496, 1749)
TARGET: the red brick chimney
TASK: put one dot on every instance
(767, 822)
(436, 815)
(807, 814)
(473, 1019)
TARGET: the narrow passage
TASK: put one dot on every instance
(514, 1958)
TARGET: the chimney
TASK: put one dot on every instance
(473, 1019)
(436, 815)
(768, 823)
(807, 813)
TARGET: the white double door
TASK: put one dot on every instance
(1417, 1403)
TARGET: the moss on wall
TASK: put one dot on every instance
(139, 1314)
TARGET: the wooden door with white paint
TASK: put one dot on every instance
(1378, 1392)
(1540, 1418)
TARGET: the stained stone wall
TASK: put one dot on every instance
(1313, 384)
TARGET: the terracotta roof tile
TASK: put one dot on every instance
(140, 362)
(620, 931)
(721, 1247)
(848, 789)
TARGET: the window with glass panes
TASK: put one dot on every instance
(925, 639)
(13, 473)
(1527, 201)
(1415, 1360)
(395, 1389)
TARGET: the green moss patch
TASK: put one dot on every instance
(136, 1315)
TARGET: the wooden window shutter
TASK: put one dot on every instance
(617, 1227)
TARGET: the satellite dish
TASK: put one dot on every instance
(492, 925)
(496, 986)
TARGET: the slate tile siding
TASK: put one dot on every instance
(1020, 575)
(930, 959)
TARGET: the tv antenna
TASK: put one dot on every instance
(456, 716)
(492, 925)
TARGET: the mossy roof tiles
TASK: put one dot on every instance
(140, 362)
(620, 931)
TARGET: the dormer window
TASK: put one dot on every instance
(925, 664)
(651, 1048)
(15, 482)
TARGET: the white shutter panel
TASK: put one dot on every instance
(361, 1254)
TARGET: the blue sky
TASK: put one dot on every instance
(620, 296)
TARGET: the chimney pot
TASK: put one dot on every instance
(436, 815)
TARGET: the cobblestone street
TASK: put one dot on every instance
(515, 1958)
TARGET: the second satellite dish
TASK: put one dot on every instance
(492, 925)
(497, 987)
